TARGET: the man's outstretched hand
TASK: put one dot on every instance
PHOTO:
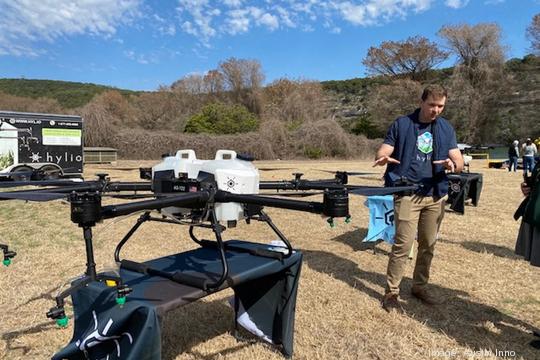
(383, 160)
(447, 163)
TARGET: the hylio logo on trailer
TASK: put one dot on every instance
(63, 158)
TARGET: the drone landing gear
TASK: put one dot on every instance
(182, 278)
(262, 216)
(85, 212)
(8, 255)
(57, 312)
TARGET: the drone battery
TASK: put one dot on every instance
(336, 203)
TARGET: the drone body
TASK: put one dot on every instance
(183, 172)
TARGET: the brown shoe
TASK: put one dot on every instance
(390, 302)
(425, 296)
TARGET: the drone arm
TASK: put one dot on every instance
(186, 199)
(277, 185)
(129, 186)
(302, 185)
(314, 207)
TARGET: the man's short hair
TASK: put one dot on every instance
(436, 91)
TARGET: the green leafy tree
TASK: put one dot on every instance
(365, 126)
(219, 118)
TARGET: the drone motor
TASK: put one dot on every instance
(85, 208)
(336, 203)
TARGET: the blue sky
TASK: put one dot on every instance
(141, 44)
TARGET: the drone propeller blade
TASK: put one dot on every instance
(296, 194)
(32, 196)
(377, 190)
(274, 168)
(42, 170)
(8, 184)
(118, 168)
(351, 173)
(360, 173)
(129, 196)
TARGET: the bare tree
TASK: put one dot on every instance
(242, 74)
(214, 82)
(190, 84)
(475, 45)
(478, 81)
(387, 102)
(411, 57)
(295, 101)
(533, 34)
(243, 78)
(163, 110)
(99, 128)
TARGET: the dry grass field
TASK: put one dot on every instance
(492, 297)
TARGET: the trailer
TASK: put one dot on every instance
(42, 145)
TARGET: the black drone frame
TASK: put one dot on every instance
(87, 210)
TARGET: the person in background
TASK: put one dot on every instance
(529, 152)
(513, 155)
(418, 148)
(528, 240)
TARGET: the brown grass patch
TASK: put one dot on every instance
(492, 296)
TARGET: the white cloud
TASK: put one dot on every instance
(240, 16)
(285, 17)
(456, 4)
(24, 23)
(140, 58)
(202, 13)
(168, 29)
(232, 3)
(376, 11)
(269, 20)
(237, 22)
(240, 20)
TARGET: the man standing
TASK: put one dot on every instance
(513, 155)
(418, 148)
(529, 152)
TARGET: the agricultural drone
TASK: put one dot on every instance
(213, 194)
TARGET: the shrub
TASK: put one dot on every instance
(219, 118)
(313, 152)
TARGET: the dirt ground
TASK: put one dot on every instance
(492, 296)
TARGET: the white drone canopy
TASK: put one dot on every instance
(231, 174)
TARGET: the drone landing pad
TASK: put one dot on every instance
(265, 287)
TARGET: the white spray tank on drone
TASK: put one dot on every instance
(231, 172)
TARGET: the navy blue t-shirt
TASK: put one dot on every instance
(419, 156)
(421, 169)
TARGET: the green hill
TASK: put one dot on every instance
(68, 94)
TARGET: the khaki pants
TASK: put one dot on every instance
(409, 211)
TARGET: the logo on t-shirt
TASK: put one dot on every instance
(425, 142)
